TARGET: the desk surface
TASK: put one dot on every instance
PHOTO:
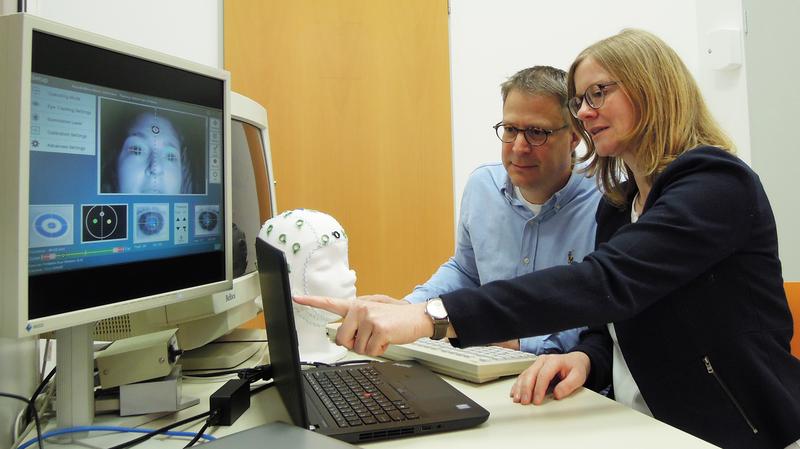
(583, 420)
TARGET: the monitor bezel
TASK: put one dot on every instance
(15, 97)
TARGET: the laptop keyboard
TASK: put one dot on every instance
(358, 396)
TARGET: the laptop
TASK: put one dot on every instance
(354, 403)
(276, 434)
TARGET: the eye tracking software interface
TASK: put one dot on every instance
(119, 177)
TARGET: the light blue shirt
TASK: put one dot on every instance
(500, 238)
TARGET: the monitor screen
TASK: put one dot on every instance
(206, 318)
(125, 186)
(122, 173)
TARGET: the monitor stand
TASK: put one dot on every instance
(75, 379)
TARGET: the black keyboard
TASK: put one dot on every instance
(358, 396)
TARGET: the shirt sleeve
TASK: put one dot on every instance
(449, 277)
(556, 343)
(460, 271)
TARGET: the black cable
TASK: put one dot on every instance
(147, 436)
(202, 429)
(250, 374)
(236, 341)
(342, 363)
(261, 388)
(38, 391)
(35, 414)
(315, 364)
(242, 373)
(213, 373)
(260, 372)
(352, 362)
(43, 384)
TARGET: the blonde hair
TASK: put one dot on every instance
(671, 115)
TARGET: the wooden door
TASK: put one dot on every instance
(358, 98)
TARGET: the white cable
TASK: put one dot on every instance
(43, 403)
(20, 437)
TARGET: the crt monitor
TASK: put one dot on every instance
(115, 185)
(205, 319)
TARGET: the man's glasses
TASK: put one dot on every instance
(594, 97)
(534, 136)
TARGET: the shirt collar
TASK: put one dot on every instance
(558, 199)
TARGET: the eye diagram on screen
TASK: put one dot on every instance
(50, 225)
(104, 222)
(151, 223)
(206, 220)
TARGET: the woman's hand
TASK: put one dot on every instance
(384, 299)
(370, 326)
(568, 372)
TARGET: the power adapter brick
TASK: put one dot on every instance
(230, 401)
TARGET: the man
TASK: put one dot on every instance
(530, 213)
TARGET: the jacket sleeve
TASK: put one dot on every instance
(596, 343)
(699, 211)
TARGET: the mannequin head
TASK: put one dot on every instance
(315, 246)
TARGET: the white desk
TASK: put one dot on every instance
(583, 420)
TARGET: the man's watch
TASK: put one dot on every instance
(434, 308)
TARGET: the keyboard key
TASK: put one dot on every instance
(357, 397)
(396, 415)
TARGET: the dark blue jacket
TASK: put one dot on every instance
(696, 294)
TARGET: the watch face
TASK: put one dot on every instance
(436, 309)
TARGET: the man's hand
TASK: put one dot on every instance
(510, 344)
(532, 384)
(370, 326)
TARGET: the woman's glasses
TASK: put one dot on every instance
(594, 97)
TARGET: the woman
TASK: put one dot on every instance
(683, 294)
(149, 158)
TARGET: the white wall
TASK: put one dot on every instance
(725, 91)
(772, 66)
(8, 6)
(489, 41)
(190, 29)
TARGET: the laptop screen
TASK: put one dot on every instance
(278, 313)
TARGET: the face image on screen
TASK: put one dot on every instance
(152, 151)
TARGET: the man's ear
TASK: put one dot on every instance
(575, 139)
